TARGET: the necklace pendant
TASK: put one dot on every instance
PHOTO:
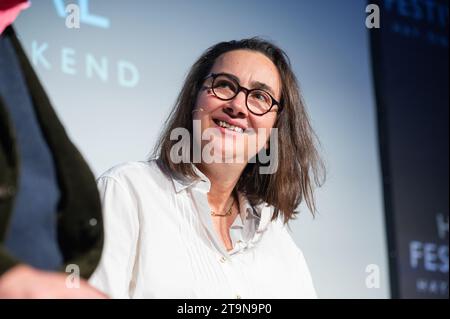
(228, 213)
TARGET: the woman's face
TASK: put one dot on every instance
(251, 69)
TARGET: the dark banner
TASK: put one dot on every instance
(410, 63)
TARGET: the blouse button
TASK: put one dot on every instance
(238, 297)
(222, 259)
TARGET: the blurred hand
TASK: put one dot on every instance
(23, 281)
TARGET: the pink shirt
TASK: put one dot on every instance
(9, 10)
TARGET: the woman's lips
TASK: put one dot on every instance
(239, 130)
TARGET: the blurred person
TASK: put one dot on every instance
(50, 212)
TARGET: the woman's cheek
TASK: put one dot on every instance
(204, 101)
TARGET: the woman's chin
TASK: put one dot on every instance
(216, 153)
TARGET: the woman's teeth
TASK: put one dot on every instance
(230, 127)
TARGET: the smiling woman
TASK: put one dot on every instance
(217, 229)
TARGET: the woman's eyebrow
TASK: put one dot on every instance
(262, 86)
(254, 85)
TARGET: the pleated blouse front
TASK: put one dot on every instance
(160, 243)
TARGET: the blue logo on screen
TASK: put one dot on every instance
(420, 19)
(72, 62)
(85, 16)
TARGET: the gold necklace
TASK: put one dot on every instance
(228, 213)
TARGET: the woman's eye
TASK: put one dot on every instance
(225, 85)
(260, 96)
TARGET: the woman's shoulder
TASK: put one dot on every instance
(130, 168)
(132, 175)
(283, 231)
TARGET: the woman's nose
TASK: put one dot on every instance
(237, 106)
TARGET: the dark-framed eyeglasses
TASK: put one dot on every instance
(258, 101)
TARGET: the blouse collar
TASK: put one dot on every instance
(263, 212)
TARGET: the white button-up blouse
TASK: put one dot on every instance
(160, 243)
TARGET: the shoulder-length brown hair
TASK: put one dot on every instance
(299, 165)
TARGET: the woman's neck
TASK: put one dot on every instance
(223, 178)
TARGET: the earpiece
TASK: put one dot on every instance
(200, 109)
